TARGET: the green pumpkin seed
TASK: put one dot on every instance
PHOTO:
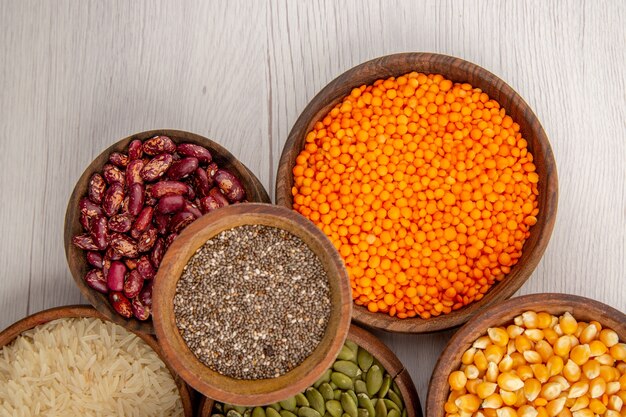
(308, 412)
(301, 400)
(352, 346)
(334, 408)
(316, 400)
(324, 378)
(345, 415)
(247, 413)
(395, 398)
(381, 409)
(391, 405)
(271, 412)
(287, 413)
(258, 412)
(360, 387)
(217, 415)
(374, 380)
(365, 359)
(396, 389)
(404, 413)
(349, 405)
(393, 413)
(353, 396)
(275, 406)
(289, 404)
(346, 354)
(333, 385)
(337, 394)
(228, 407)
(347, 368)
(384, 388)
(327, 391)
(327, 414)
(362, 412)
(218, 407)
(366, 403)
(240, 409)
(233, 413)
(342, 381)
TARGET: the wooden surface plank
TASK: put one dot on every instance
(75, 76)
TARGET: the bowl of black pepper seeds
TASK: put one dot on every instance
(253, 304)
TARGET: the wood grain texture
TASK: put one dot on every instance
(75, 76)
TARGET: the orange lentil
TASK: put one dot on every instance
(427, 189)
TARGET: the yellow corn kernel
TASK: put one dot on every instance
(605, 359)
(585, 412)
(555, 365)
(591, 369)
(551, 390)
(468, 403)
(509, 381)
(573, 340)
(480, 361)
(485, 389)
(568, 323)
(581, 402)
(482, 342)
(544, 349)
(471, 372)
(524, 372)
(557, 329)
(457, 380)
(518, 321)
(618, 352)
(489, 412)
(580, 328)
(510, 348)
(506, 364)
(609, 373)
(527, 411)
(518, 359)
(456, 394)
(597, 348)
(506, 412)
(494, 353)
(523, 343)
(471, 385)
(534, 334)
(571, 371)
(578, 389)
(621, 367)
(479, 414)
(530, 319)
(513, 331)
(492, 401)
(541, 411)
(450, 407)
(498, 336)
(597, 324)
(508, 398)
(544, 320)
(562, 346)
(565, 412)
(622, 395)
(550, 335)
(560, 379)
(612, 387)
(609, 337)
(468, 356)
(580, 354)
(589, 334)
(622, 382)
(532, 356)
(532, 388)
(540, 402)
(612, 413)
(597, 387)
(540, 371)
(492, 372)
(596, 406)
(615, 403)
(554, 407)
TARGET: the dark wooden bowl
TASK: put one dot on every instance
(10, 333)
(381, 352)
(227, 389)
(583, 309)
(76, 257)
(457, 70)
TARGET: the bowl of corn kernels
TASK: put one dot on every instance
(534, 356)
(434, 180)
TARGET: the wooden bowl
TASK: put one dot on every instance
(76, 257)
(227, 389)
(10, 333)
(457, 70)
(386, 357)
(583, 309)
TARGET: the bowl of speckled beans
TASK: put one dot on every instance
(252, 304)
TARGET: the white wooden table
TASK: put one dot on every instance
(78, 75)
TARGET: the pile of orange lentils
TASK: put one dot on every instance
(427, 189)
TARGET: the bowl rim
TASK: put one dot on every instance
(503, 313)
(249, 392)
(10, 333)
(97, 300)
(386, 66)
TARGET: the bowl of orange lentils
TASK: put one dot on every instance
(434, 180)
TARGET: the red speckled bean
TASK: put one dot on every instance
(140, 310)
(158, 145)
(191, 193)
(213, 201)
(201, 182)
(120, 223)
(130, 263)
(124, 245)
(146, 240)
(95, 279)
(113, 199)
(121, 304)
(133, 172)
(135, 202)
(145, 268)
(193, 209)
(170, 204)
(113, 175)
(196, 151)
(145, 296)
(211, 170)
(111, 255)
(119, 159)
(95, 259)
(161, 221)
(96, 188)
(133, 284)
(89, 208)
(115, 278)
(229, 185)
(180, 221)
(84, 242)
(135, 150)
(180, 169)
(144, 219)
(156, 256)
(156, 167)
(170, 238)
(163, 188)
(99, 233)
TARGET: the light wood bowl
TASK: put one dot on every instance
(78, 311)
(227, 389)
(457, 70)
(380, 351)
(76, 257)
(583, 309)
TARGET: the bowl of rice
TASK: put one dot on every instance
(71, 361)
